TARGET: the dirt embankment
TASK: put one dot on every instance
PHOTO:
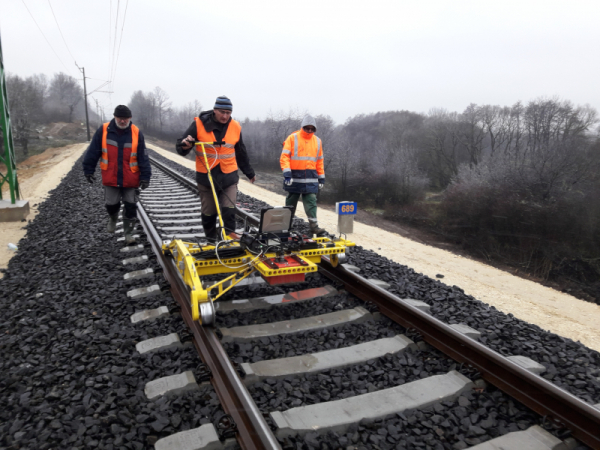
(59, 134)
(37, 176)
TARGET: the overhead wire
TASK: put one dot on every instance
(114, 44)
(69, 50)
(110, 55)
(109, 38)
(116, 63)
(61, 33)
(61, 61)
(99, 87)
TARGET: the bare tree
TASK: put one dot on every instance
(64, 95)
(26, 100)
(496, 122)
(162, 105)
(470, 132)
(442, 146)
(279, 125)
(142, 108)
(342, 169)
(181, 118)
(549, 152)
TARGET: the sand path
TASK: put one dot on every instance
(37, 176)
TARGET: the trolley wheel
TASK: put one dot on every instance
(337, 259)
(207, 313)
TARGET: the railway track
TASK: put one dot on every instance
(370, 369)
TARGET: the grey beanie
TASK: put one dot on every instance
(309, 120)
(122, 111)
(223, 103)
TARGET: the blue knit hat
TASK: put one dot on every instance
(223, 103)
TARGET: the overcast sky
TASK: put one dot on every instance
(340, 58)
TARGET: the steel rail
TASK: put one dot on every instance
(192, 185)
(181, 178)
(533, 391)
(252, 430)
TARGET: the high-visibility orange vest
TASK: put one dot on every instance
(302, 152)
(302, 161)
(133, 162)
(223, 155)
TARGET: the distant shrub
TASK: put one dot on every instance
(535, 210)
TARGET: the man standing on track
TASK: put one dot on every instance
(303, 172)
(120, 147)
(223, 160)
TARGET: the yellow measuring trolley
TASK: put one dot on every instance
(278, 254)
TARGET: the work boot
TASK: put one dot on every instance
(128, 229)
(314, 228)
(112, 223)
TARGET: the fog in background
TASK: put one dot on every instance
(477, 121)
(336, 58)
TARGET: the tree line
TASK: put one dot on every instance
(38, 100)
(518, 183)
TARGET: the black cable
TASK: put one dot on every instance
(223, 254)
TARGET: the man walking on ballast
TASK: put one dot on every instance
(120, 147)
(302, 164)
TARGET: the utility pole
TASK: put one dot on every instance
(98, 111)
(87, 120)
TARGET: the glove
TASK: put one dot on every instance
(287, 181)
(90, 178)
(321, 186)
(144, 184)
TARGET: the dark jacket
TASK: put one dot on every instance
(222, 180)
(94, 152)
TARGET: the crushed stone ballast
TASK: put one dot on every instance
(459, 330)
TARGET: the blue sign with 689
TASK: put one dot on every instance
(345, 208)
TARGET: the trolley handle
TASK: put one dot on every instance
(209, 143)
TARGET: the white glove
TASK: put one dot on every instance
(321, 185)
(287, 181)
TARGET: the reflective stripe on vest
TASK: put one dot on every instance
(295, 156)
(217, 154)
(305, 180)
(133, 162)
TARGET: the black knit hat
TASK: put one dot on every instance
(122, 111)
(223, 103)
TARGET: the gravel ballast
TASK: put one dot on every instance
(71, 377)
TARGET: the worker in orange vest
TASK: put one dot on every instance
(121, 149)
(303, 172)
(216, 125)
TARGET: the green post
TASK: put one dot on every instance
(7, 154)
